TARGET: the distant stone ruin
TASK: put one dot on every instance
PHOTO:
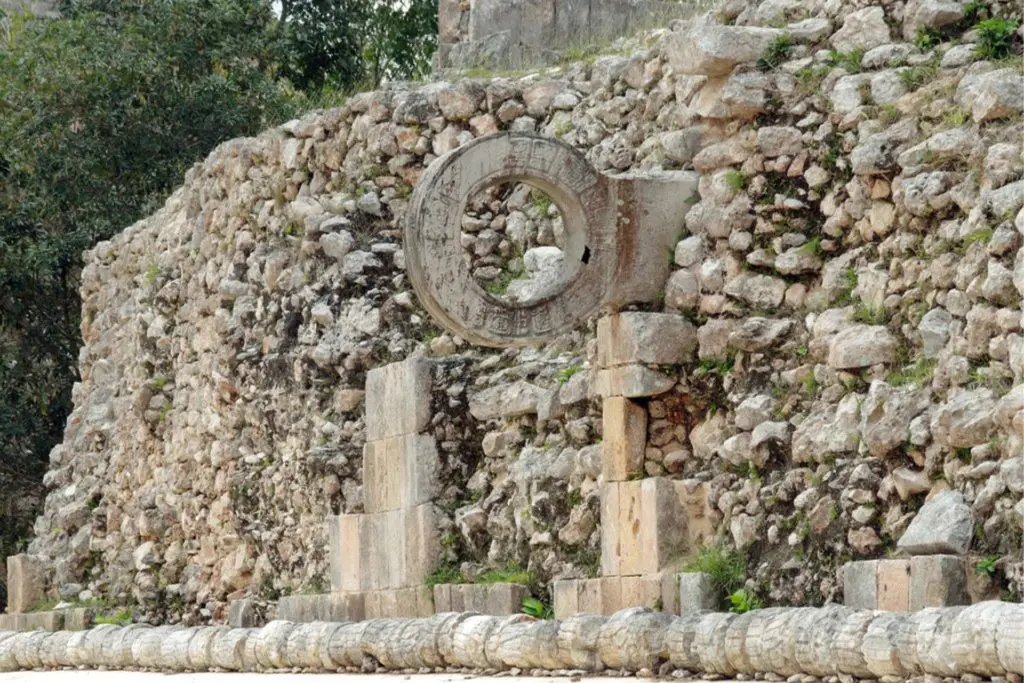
(514, 33)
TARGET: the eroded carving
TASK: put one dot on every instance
(615, 243)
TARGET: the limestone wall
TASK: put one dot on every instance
(852, 273)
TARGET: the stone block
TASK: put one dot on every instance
(632, 381)
(443, 598)
(643, 526)
(505, 599)
(422, 544)
(13, 622)
(942, 526)
(243, 614)
(658, 592)
(325, 607)
(662, 525)
(399, 472)
(566, 598)
(24, 583)
(893, 585)
(938, 581)
(625, 439)
(398, 399)
(860, 584)
(645, 338)
(697, 591)
(346, 553)
(79, 619)
(610, 551)
(44, 621)
(700, 517)
(601, 596)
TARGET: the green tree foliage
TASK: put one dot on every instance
(347, 45)
(101, 112)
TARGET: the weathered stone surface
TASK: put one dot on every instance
(399, 472)
(863, 29)
(942, 525)
(894, 585)
(520, 398)
(24, 582)
(654, 338)
(886, 414)
(588, 202)
(992, 95)
(710, 49)
(965, 420)
(923, 15)
(697, 592)
(860, 584)
(625, 438)
(632, 381)
(398, 399)
(861, 346)
(938, 581)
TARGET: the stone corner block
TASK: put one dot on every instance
(860, 584)
(893, 585)
(643, 527)
(697, 591)
(398, 399)
(653, 338)
(244, 614)
(938, 581)
(79, 619)
(399, 472)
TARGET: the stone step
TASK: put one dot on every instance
(496, 599)
(606, 596)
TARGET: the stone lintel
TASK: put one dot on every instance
(645, 338)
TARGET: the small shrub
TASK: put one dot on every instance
(918, 374)
(812, 247)
(888, 114)
(870, 315)
(536, 609)
(510, 574)
(915, 76)
(743, 601)
(727, 568)
(123, 617)
(566, 374)
(974, 11)
(736, 180)
(446, 573)
(956, 117)
(851, 61)
(986, 566)
(995, 37)
(926, 39)
(776, 53)
(845, 295)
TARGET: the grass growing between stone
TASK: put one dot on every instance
(727, 568)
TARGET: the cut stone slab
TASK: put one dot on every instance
(697, 592)
(893, 585)
(402, 603)
(938, 581)
(652, 338)
(506, 400)
(659, 592)
(632, 381)
(243, 614)
(24, 583)
(625, 438)
(400, 472)
(398, 399)
(965, 420)
(79, 619)
(860, 584)
(943, 526)
(302, 609)
(495, 599)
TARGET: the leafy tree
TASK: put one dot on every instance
(101, 112)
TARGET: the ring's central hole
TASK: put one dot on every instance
(513, 240)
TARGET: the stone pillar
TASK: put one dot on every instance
(380, 559)
(645, 522)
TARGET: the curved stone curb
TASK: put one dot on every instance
(986, 639)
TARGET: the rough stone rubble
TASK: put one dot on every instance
(853, 270)
(984, 639)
